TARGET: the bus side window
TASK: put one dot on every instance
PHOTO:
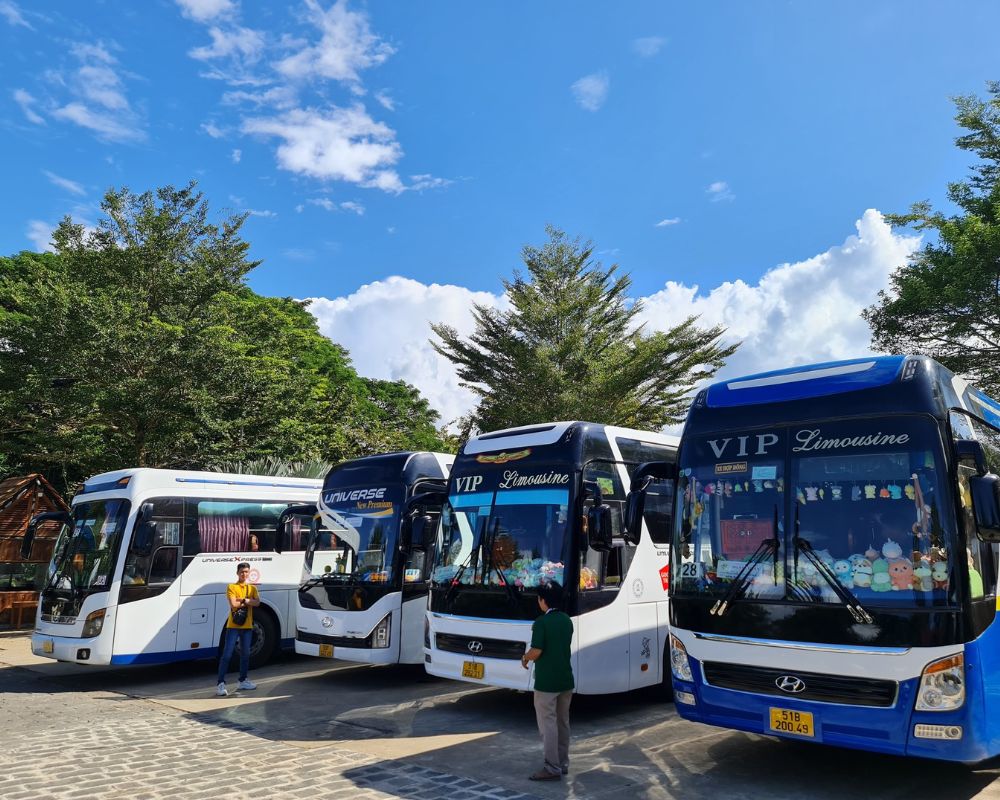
(163, 568)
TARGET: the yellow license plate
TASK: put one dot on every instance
(48, 646)
(470, 669)
(799, 723)
(326, 651)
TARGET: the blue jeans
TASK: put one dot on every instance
(232, 634)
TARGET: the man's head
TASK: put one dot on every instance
(549, 595)
(242, 571)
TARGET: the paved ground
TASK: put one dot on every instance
(318, 729)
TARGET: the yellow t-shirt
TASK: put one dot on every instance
(239, 591)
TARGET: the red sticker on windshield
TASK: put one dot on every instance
(665, 576)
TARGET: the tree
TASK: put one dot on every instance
(946, 302)
(570, 348)
(140, 344)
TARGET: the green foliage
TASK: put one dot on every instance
(141, 345)
(275, 467)
(570, 348)
(946, 302)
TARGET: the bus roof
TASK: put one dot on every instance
(147, 478)
(551, 433)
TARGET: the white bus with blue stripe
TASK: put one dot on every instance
(139, 572)
(834, 565)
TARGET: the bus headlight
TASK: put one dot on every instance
(679, 663)
(94, 623)
(942, 685)
(380, 636)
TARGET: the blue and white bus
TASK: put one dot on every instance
(140, 569)
(833, 561)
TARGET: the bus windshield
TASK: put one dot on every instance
(788, 512)
(516, 537)
(84, 560)
(360, 537)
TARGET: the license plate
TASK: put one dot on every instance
(799, 723)
(472, 669)
(48, 646)
(326, 651)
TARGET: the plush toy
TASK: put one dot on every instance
(812, 493)
(728, 489)
(781, 484)
(891, 550)
(881, 582)
(871, 553)
(588, 578)
(800, 496)
(758, 486)
(856, 558)
(836, 493)
(842, 568)
(855, 492)
(895, 491)
(939, 574)
(922, 581)
(910, 492)
(870, 491)
(862, 574)
(825, 557)
(768, 484)
(883, 493)
(901, 573)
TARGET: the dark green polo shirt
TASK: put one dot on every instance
(552, 633)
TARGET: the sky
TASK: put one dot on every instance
(735, 159)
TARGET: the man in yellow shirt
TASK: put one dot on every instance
(243, 598)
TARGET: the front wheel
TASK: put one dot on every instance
(265, 638)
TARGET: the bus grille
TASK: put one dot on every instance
(822, 688)
(479, 646)
(360, 642)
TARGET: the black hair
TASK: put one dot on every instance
(242, 565)
(551, 593)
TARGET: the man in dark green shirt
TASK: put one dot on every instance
(551, 636)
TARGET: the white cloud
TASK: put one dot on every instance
(397, 346)
(322, 202)
(205, 10)
(421, 182)
(384, 100)
(350, 205)
(26, 102)
(253, 212)
(339, 144)
(236, 155)
(798, 313)
(243, 43)
(64, 183)
(591, 90)
(329, 205)
(104, 125)
(664, 223)
(648, 46)
(346, 47)
(10, 12)
(213, 130)
(40, 235)
(719, 191)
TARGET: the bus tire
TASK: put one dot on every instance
(265, 637)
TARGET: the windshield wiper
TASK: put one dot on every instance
(461, 571)
(746, 574)
(491, 540)
(857, 610)
(329, 577)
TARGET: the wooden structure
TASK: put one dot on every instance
(20, 579)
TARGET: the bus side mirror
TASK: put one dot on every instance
(985, 491)
(634, 503)
(599, 530)
(38, 519)
(281, 532)
(416, 532)
(145, 531)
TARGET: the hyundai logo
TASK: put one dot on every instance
(790, 684)
(475, 647)
(327, 622)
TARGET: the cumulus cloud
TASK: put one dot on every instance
(27, 103)
(356, 208)
(346, 46)
(339, 144)
(796, 313)
(591, 91)
(236, 155)
(245, 43)
(648, 46)
(205, 10)
(64, 183)
(397, 346)
(719, 191)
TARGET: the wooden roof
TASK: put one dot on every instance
(23, 497)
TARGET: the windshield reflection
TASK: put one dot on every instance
(357, 541)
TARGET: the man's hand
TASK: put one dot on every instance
(524, 661)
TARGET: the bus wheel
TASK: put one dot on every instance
(265, 638)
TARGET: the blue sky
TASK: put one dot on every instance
(395, 157)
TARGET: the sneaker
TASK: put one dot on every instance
(246, 684)
(222, 691)
(544, 775)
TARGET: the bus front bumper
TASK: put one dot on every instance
(69, 648)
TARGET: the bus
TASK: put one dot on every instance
(364, 585)
(140, 568)
(834, 559)
(543, 503)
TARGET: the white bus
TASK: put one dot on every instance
(544, 503)
(364, 588)
(139, 572)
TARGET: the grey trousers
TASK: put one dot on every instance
(552, 713)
